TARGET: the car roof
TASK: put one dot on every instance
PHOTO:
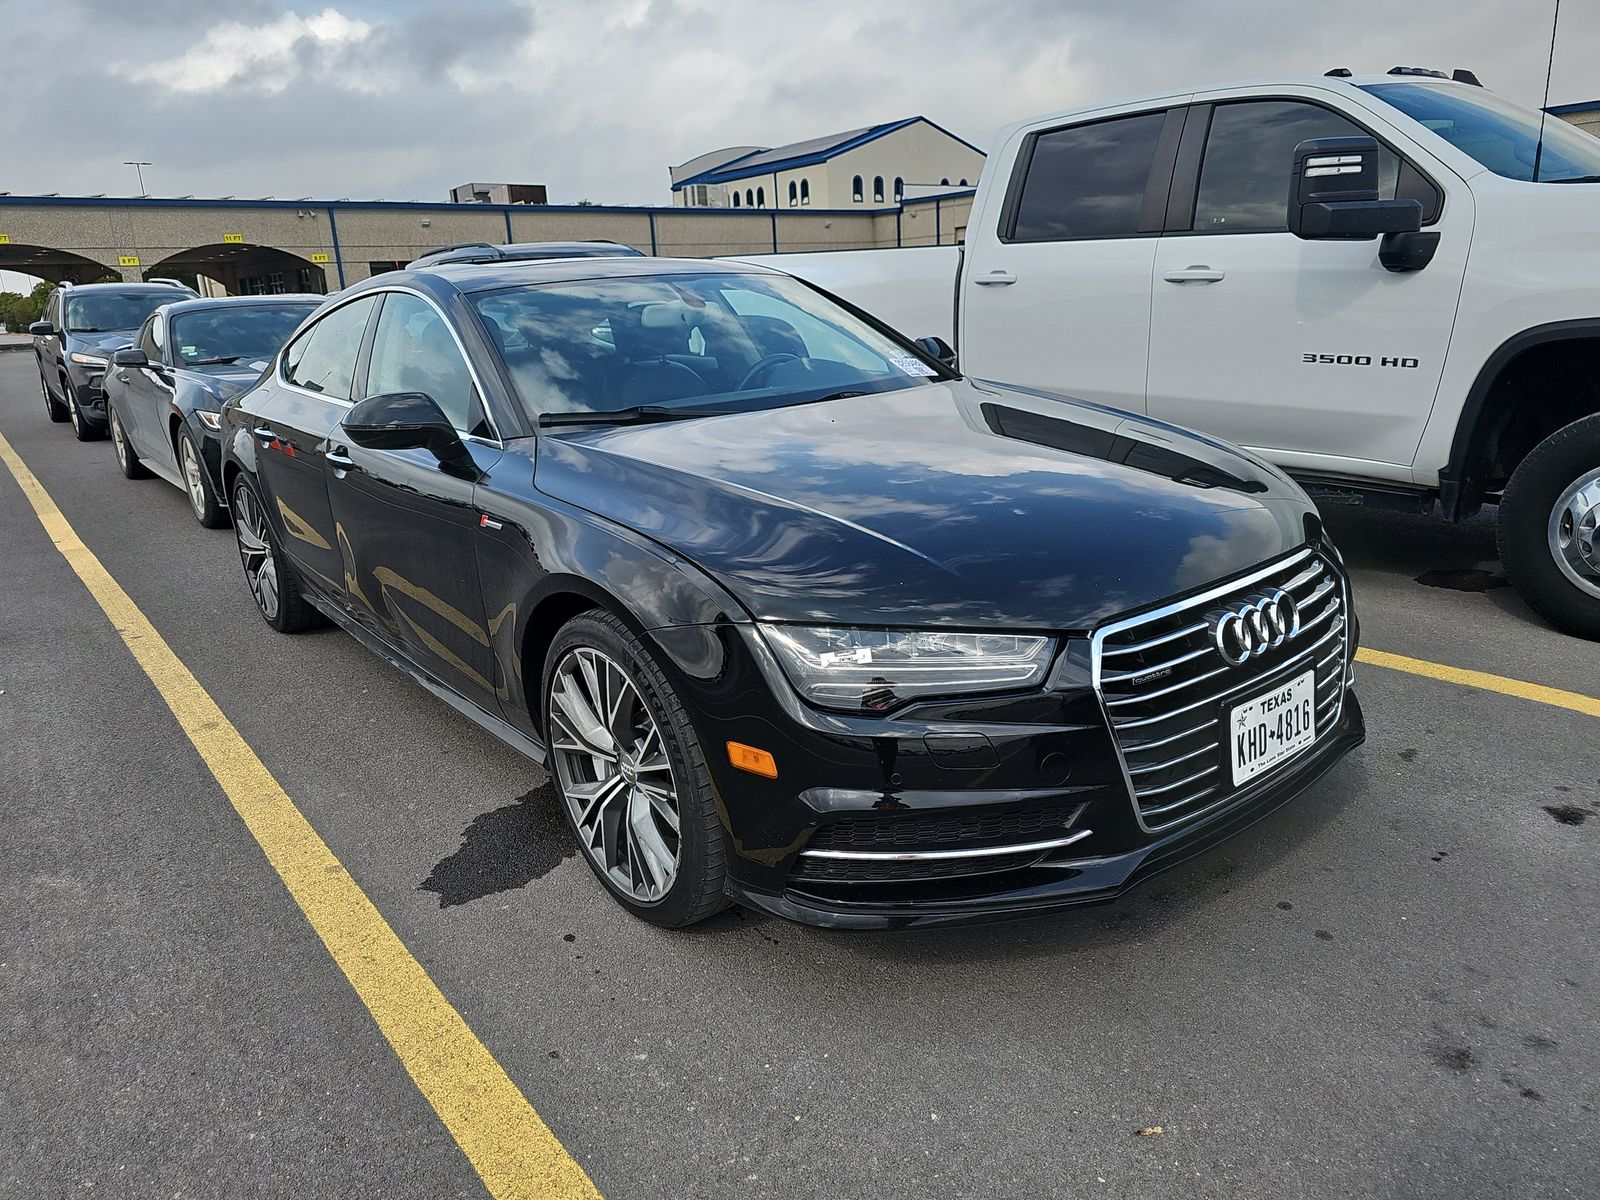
(209, 302)
(520, 251)
(128, 287)
(480, 277)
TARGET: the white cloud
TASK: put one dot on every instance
(267, 57)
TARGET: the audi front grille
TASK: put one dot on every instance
(1168, 687)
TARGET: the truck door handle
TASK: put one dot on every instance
(339, 460)
(994, 279)
(1197, 273)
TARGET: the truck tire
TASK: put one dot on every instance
(1549, 540)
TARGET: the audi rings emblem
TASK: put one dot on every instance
(1254, 625)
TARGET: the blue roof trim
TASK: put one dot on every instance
(953, 194)
(730, 171)
(1556, 110)
(406, 206)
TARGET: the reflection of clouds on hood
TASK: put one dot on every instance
(1252, 538)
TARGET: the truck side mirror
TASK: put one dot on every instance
(1334, 193)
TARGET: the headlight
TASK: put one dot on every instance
(873, 670)
(210, 420)
(88, 360)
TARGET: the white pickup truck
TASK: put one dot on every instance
(1410, 318)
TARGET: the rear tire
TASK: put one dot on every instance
(53, 408)
(634, 785)
(127, 456)
(1548, 538)
(272, 578)
(197, 484)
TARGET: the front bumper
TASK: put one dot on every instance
(988, 808)
(89, 385)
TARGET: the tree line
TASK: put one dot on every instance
(18, 310)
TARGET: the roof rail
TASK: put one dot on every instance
(173, 282)
(483, 252)
(1427, 71)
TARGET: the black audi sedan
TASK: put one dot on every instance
(164, 393)
(796, 615)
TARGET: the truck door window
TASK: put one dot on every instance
(1087, 181)
(1244, 176)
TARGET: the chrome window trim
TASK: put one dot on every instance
(498, 441)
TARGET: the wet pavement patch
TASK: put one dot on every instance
(504, 849)
(1567, 814)
(1470, 580)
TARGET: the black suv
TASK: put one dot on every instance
(74, 340)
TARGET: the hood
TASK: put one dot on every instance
(227, 383)
(953, 504)
(105, 343)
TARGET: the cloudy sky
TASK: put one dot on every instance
(401, 99)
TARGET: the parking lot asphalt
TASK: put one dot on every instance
(1387, 988)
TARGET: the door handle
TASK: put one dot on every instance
(1197, 273)
(994, 279)
(339, 460)
(265, 434)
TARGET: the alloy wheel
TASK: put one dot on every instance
(255, 550)
(1574, 532)
(193, 481)
(612, 766)
(74, 413)
(118, 438)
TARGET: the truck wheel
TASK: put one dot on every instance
(1549, 539)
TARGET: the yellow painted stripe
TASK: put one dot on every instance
(1520, 688)
(512, 1149)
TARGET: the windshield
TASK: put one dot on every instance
(110, 312)
(1500, 134)
(722, 341)
(234, 335)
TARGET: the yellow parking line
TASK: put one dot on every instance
(1537, 692)
(511, 1148)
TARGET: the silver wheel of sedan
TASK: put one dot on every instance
(1574, 532)
(614, 772)
(194, 481)
(255, 551)
(119, 440)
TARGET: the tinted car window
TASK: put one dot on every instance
(148, 342)
(413, 351)
(234, 333)
(1500, 134)
(107, 312)
(1088, 181)
(1249, 160)
(323, 358)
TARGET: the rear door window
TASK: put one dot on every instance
(1087, 181)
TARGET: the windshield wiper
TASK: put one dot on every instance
(638, 414)
(209, 362)
(1574, 179)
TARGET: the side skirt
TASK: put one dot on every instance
(506, 732)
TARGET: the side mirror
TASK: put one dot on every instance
(406, 421)
(1334, 193)
(129, 356)
(42, 329)
(937, 347)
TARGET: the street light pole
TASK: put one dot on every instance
(139, 164)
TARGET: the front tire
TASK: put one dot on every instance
(197, 484)
(127, 457)
(632, 777)
(272, 578)
(83, 428)
(1548, 535)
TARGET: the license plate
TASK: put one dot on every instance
(1270, 728)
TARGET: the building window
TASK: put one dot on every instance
(761, 196)
(749, 198)
(855, 189)
(736, 198)
(899, 189)
(945, 182)
(877, 189)
(963, 183)
(805, 191)
(794, 194)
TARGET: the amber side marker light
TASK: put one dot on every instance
(748, 758)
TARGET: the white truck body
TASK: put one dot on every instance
(1202, 309)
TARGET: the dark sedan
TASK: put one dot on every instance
(164, 393)
(796, 615)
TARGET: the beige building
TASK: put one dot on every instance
(1585, 115)
(874, 167)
